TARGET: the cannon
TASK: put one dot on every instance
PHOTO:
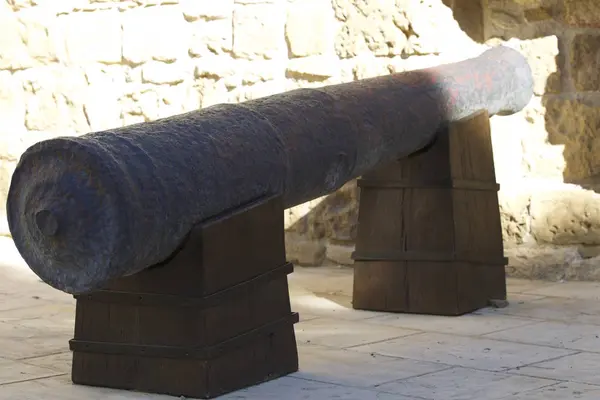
(85, 210)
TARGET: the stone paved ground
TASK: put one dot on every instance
(544, 346)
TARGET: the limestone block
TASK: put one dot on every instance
(302, 251)
(155, 2)
(310, 28)
(314, 67)
(471, 17)
(514, 215)
(259, 31)
(177, 99)
(540, 158)
(332, 217)
(132, 119)
(564, 217)
(147, 102)
(435, 30)
(370, 67)
(214, 93)
(12, 104)
(211, 37)
(256, 1)
(583, 13)
(539, 14)
(585, 60)
(13, 144)
(589, 251)
(507, 133)
(378, 27)
(215, 67)
(260, 71)
(258, 90)
(100, 74)
(159, 33)
(583, 270)
(340, 253)
(158, 72)
(504, 17)
(55, 99)
(574, 124)
(89, 37)
(552, 263)
(24, 39)
(102, 107)
(207, 9)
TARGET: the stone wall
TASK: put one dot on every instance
(71, 66)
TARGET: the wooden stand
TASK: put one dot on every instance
(213, 319)
(429, 233)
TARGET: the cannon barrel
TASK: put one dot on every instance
(84, 210)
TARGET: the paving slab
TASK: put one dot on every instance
(561, 391)
(465, 384)
(471, 352)
(543, 346)
(581, 367)
(340, 367)
(554, 334)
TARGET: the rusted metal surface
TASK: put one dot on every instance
(84, 210)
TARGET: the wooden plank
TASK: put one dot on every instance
(205, 322)
(429, 235)
(270, 356)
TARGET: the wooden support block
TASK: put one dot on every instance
(214, 318)
(429, 234)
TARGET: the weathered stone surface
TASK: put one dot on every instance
(583, 270)
(177, 99)
(514, 215)
(170, 73)
(369, 67)
(340, 254)
(334, 217)
(433, 29)
(507, 134)
(589, 251)
(566, 217)
(539, 14)
(504, 17)
(535, 262)
(471, 18)
(574, 124)
(370, 27)
(80, 41)
(303, 251)
(583, 13)
(102, 108)
(211, 37)
(55, 98)
(258, 90)
(159, 33)
(207, 9)
(12, 104)
(24, 39)
(258, 31)
(540, 159)
(215, 93)
(310, 28)
(585, 61)
(315, 67)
